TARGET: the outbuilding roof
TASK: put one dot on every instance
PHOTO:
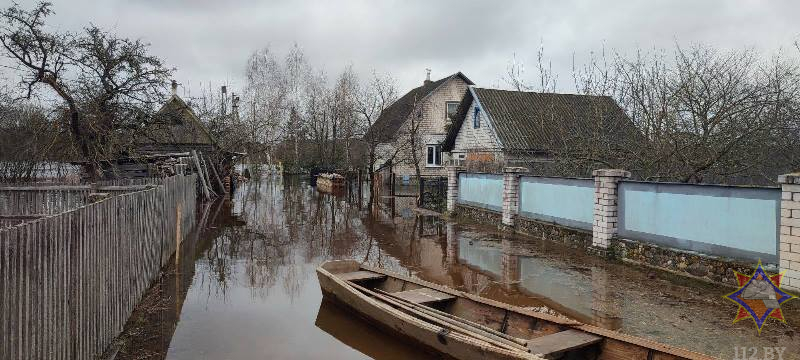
(176, 123)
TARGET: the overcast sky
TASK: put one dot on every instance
(210, 40)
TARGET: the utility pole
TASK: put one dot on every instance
(224, 95)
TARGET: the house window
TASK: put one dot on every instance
(452, 108)
(434, 157)
(476, 118)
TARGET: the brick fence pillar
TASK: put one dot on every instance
(789, 250)
(605, 205)
(511, 193)
(452, 187)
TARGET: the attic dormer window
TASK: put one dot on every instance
(476, 118)
(452, 107)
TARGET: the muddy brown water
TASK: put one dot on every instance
(245, 288)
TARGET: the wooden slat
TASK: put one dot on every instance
(360, 276)
(552, 346)
(23, 216)
(423, 296)
(69, 281)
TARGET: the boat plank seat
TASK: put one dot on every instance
(554, 345)
(423, 296)
(361, 275)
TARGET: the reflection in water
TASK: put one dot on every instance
(363, 336)
(254, 293)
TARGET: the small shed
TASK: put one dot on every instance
(173, 129)
(172, 136)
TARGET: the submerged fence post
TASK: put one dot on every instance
(452, 187)
(511, 177)
(509, 264)
(789, 251)
(604, 228)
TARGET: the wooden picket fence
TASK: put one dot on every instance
(69, 282)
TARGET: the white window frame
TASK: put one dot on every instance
(437, 156)
(446, 104)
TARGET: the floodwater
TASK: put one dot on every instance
(245, 287)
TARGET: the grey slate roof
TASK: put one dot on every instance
(393, 116)
(531, 121)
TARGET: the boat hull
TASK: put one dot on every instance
(330, 185)
(430, 336)
(519, 321)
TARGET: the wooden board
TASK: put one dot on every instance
(360, 276)
(550, 346)
(423, 296)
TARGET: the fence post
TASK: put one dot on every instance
(789, 251)
(452, 187)
(509, 264)
(511, 177)
(606, 182)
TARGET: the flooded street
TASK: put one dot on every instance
(245, 287)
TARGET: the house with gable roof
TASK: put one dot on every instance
(496, 128)
(431, 105)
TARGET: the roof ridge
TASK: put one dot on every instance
(540, 92)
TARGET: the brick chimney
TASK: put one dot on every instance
(427, 77)
(174, 87)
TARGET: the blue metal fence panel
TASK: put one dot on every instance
(568, 202)
(739, 222)
(481, 190)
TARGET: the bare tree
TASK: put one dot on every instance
(515, 74)
(104, 81)
(265, 103)
(705, 115)
(345, 121)
(33, 144)
(412, 143)
(373, 98)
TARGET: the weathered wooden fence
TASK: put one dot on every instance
(69, 282)
(21, 203)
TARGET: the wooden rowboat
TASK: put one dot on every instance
(466, 326)
(330, 183)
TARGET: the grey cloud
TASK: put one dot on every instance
(210, 40)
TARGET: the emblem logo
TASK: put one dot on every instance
(759, 297)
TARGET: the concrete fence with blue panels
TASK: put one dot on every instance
(481, 190)
(743, 223)
(562, 201)
(729, 221)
